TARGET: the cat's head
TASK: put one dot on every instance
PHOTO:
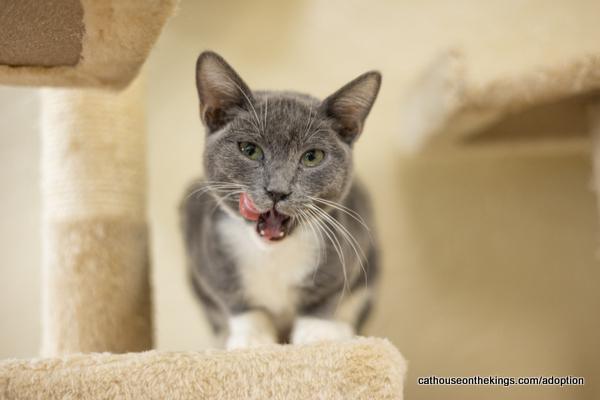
(272, 157)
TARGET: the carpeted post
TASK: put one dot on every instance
(95, 269)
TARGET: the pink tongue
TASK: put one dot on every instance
(247, 208)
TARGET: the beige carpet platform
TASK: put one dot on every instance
(357, 369)
(546, 107)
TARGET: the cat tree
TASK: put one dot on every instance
(97, 313)
(553, 108)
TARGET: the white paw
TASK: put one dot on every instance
(309, 330)
(251, 329)
(241, 340)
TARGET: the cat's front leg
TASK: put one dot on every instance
(309, 329)
(250, 329)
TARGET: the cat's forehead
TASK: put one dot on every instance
(287, 107)
(283, 118)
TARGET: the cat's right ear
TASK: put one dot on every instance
(220, 90)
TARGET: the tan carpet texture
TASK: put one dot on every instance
(72, 43)
(40, 33)
(364, 368)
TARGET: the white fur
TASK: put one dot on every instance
(339, 327)
(270, 271)
(310, 329)
(250, 329)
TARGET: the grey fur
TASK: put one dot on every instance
(285, 125)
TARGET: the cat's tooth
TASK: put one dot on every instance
(262, 232)
(280, 234)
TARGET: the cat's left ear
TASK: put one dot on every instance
(350, 105)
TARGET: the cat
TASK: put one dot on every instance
(277, 233)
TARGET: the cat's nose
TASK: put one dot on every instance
(276, 196)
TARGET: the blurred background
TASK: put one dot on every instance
(490, 258)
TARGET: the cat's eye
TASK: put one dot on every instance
(251, 150)
(312, 158)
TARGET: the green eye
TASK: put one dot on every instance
(251, 150)
(312, 158)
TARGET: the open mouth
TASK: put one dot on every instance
(270, 225)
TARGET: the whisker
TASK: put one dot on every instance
(335, 222)
(309, 122)
(350, 212)
(340, 205)
(202, 191)
(250, 121)
(266, 113)
(221, 200)
(305, 219)
(315, 132)
(348, 237)
(215, 187)
(334, 242)
(322, 240)
(249, 102)
(338, 250)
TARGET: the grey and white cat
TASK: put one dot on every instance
(276, 234)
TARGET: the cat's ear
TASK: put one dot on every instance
(350, 105)
(220, 90)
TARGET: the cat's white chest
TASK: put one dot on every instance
(270, 272)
